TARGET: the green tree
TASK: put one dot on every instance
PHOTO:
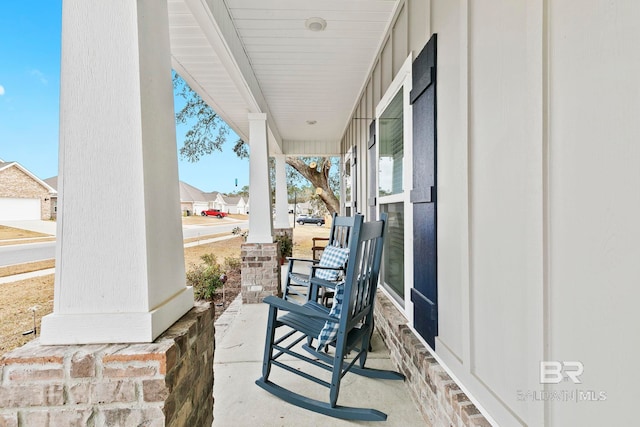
(209, 132)
(244, 191)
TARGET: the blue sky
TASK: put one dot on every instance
(30, 92)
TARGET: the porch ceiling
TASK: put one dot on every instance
(247, 56)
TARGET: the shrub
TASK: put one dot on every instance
(205, 278)
(237, 231)
(285, 245)
(232, 264)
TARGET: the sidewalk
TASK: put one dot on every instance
(29, 275)
(204, 241)
(239, 402)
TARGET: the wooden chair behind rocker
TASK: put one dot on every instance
(300, 270)
(335, 340)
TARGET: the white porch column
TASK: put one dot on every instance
(260, 225)
(282, 199)
(119, 260)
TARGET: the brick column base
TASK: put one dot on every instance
(437, 396)
(165, 383)
(280, 231)
(260, 271)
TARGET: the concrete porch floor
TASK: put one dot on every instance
(239, 402)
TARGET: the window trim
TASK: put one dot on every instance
(349, 160)
(346, 164)
(402, 81)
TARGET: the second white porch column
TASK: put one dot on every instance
(260, 225)
(282, 197)
(120, 274)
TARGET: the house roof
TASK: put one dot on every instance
(231, 200)
(53, 182)
(211, 196)
(6, 165)
(189, 193)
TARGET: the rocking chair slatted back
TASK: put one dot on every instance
(340, 230)
(362, 271)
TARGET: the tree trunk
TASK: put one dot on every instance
(319, 179)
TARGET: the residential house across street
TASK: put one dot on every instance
(193, 201)
(24, 196)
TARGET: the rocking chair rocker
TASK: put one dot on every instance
(335, 340)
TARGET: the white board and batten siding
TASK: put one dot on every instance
(538, 201)
(538, 205)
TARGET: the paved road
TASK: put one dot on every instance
(18, 254)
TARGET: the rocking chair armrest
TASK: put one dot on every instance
(292, 259)
(316, 281)
(281, 304)
(322, 267)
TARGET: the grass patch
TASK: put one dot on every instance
(7, 233)
(222, 250)
(10, 270)
(302, 235)
(16, 316)
(36, 240)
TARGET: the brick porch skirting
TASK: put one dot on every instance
(438, 397)
(165, 383)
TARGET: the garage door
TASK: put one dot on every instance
(199, 207)
(19, 209)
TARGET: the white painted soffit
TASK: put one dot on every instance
(204, 56)
(257, 56)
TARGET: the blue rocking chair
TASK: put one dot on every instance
(336, 340)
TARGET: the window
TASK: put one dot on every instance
(393, 256)
(390, 170)
(391, 148)
(394, 147)
(347, 186)
(347, 180)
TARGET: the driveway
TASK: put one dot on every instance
(45, 227)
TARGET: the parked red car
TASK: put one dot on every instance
(214, 212)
